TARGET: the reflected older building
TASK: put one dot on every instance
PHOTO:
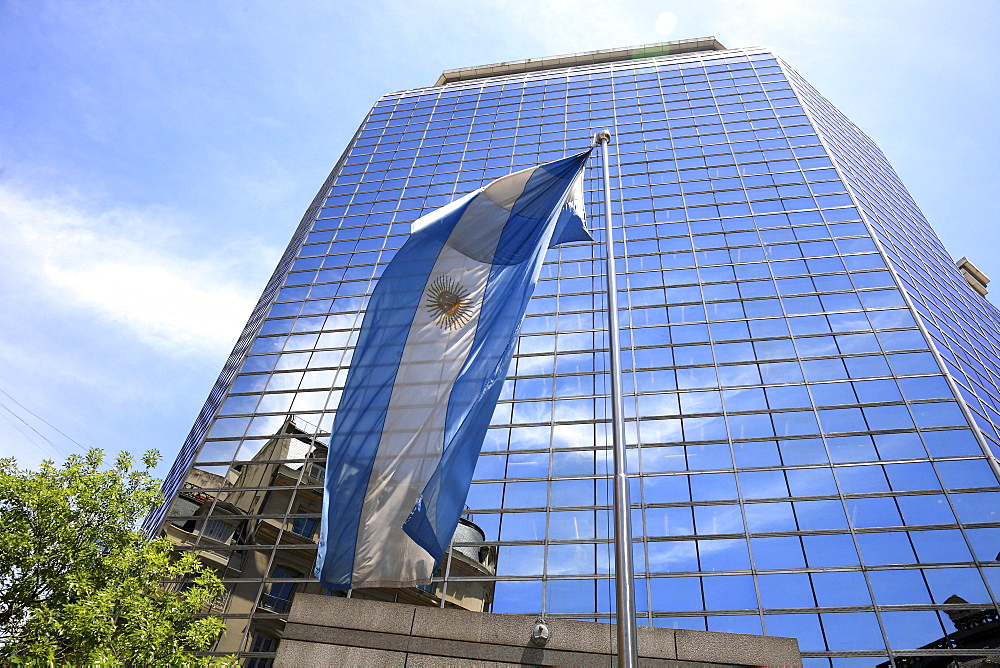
(977, 634)
(258, 526)
(812, 381)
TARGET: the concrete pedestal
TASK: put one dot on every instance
(332, 631)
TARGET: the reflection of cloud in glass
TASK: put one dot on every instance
(342, 321)
(718, 519)
(660, 431)
(701, 402)
(535, 365)
(266, 425)
(570, 559)
(573, 462)
(520, 559)
(310, 401)
(532, 411)
(656, 460)
(573, 436)
(333, 339)
(665, 557)
(529, 438)
(571, 525)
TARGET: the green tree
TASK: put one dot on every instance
(80, 584)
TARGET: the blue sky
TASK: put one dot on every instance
(155, 157)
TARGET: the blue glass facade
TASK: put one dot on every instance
(811, 385)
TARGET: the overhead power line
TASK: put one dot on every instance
(58, 449)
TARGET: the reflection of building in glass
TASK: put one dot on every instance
(274, 499)
(977, 630)
(812, 380)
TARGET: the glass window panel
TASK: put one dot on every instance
(577, 559)
(729, 592)
(746, 624)
(940, 546)
(705, 429)
(520, 559)
(966, 583)
(713, 486)
(485, 495)
(747, 399)
(886, 548)
(528, 465)
(861, 479)
(833, 394)
(522, 526)
(785, 590)
(803, 451)
(253, 383)
(911, 628)
(718, 519)
(899, 446)
(926, 387)
(562, 596)
(700, 402)
(526, 494)
(795, 396)
(709, 456)
(899, 587)
(845, 588)
(811, 482)
(566, 493)
(763, 485)
(723, 555)
(985, 543)
(238, 405)
(756, 454)
(666, 489)
(946, 414)
(951, 443)
(929, 509)
(968, 473)
(672, 556)
(820, 515)
(805, 628)
(766, 517)
(571, 524)
(852, 631)
(669, 521)
(577, 462)
(915, 476)
(852, 449)
(518, 596)
(830, 550)
(873, 512)
(681, 594)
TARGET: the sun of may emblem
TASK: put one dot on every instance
(448, 303)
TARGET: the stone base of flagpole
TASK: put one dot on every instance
(333, 631)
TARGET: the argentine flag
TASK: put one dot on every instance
(437, 338)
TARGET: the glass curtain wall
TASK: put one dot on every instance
(803, 462)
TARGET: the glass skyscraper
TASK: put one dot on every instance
(811, 381)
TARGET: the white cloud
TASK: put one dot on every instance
(118, 265)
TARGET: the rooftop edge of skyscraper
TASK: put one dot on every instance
(709, 43)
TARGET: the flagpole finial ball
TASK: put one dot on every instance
(602, 137)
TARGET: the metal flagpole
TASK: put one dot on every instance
(624, 571)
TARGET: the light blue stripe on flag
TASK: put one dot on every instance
(434, 347)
